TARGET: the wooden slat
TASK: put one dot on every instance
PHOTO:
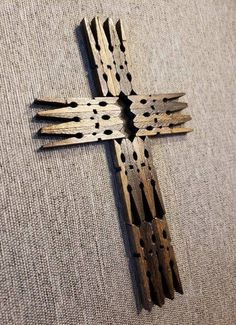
(142, 122)
(163, 131)
(95, 59)
(85, 126)
(87, 138)
(72, 101)
(84, 112)
(158, 97)
(119, 58)
(125, 49)
(106, 58)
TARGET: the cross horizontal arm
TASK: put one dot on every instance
(92, 119)
(158, 114)
(104, 118)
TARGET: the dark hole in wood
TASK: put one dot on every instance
(155, 120)
(94, 133)
(121, 67)
(153, 238)
(165, 100)
(89, 104)
(76, 119)
(108, 132)
(149, 128)
(129, 77)
(105, 77)
(117, 76)
(73, 104)
(109, 67)
(154, 100)
(138, 170)
(142, 164)
(162, 247)
(101, 62)
(168, 112)
(126, 62)
(152, 107)
(158, 206)
(141, 242)
(95, 111)
(131, 167)
(146, 153)
(146, 208)
(114, 62)
(146, 114)
(91, 118)
(149, 167)
(106, 117)
(98, 47)
(134, 211)
(148, 273)
(122, 47)
(143, 101)
(126, 172)
(97, 125)
(79, 135)
(171, 126)
(102, 103)
(122, 157)
(164, 233)
(129, 188)
(135, 156)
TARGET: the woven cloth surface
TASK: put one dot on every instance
(64, 251)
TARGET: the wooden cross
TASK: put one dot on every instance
(127, 119)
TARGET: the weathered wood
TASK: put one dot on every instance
(163, 131)
(87, 138)
(126, 119)
(106, 57)
(95, 60)
(160, 120)
(102, 118)
(145, 217)
(119, 57)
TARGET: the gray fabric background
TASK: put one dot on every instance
(63, 255)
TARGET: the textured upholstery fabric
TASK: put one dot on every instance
(64, 252)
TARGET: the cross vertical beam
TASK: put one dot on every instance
(127, 119)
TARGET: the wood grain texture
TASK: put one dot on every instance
(90, 120)
(127, 119)
(146, 222)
